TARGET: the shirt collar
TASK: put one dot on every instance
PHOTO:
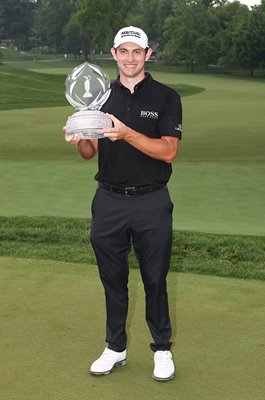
(144, 81)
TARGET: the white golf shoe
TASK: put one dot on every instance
(164, 366)
(108, 360)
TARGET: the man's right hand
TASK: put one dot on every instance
(72, 139)
(86, 148)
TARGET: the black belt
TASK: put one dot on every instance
(131, 190)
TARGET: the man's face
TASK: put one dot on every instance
(130, 59)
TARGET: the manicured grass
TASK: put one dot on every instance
(27, 89)
(208, 197)
(217, 183)
(21, 88)
(220, 197)
(52, 328)
(67, 239)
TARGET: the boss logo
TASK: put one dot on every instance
(149, 114)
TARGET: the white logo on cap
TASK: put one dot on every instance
(131, 33)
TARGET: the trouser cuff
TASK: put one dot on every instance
(116, 348)
(161, 346)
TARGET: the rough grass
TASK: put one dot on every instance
(67, 239)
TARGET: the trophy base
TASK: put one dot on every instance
(88, 124)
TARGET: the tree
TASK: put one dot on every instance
(150, 15)
(16, 21)
(249, 40)
(243, 36)
(229, 18)
(75, 42)
(192, 34)
(2, 20)
(50, 20)
(100, 19)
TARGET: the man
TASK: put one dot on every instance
(132, 203)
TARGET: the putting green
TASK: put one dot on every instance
(52, 328)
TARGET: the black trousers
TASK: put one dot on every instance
(146, 222)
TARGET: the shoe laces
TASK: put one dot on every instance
(106, 353)
(163, 356)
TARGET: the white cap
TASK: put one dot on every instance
(131, 34)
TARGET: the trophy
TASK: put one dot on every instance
(87, 89)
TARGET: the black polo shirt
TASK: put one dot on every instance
(153, 110)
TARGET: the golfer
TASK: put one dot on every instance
(132, 206)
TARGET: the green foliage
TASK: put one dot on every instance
(229, 17)
(100, 19)
(74, 39)
(190, 33)
(67, 239)
(50, 19)
(16, 22)
(249, 40)
(150, 15)
(193, 34)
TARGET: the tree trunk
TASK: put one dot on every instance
(192, 65)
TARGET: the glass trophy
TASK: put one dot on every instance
(87, 89)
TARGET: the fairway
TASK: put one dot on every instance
(218, 179)
(52, 328)
(52, 302)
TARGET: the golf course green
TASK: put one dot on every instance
(52, 303)
(217, 182)
(52, 328)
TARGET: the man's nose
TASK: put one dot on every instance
(130, 56)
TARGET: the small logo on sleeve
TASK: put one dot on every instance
(178, 128)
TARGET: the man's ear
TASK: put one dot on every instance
(148, 54)
(113, 53)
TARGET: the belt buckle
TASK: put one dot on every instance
(127, 189)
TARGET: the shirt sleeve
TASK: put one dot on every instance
(170, 122)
